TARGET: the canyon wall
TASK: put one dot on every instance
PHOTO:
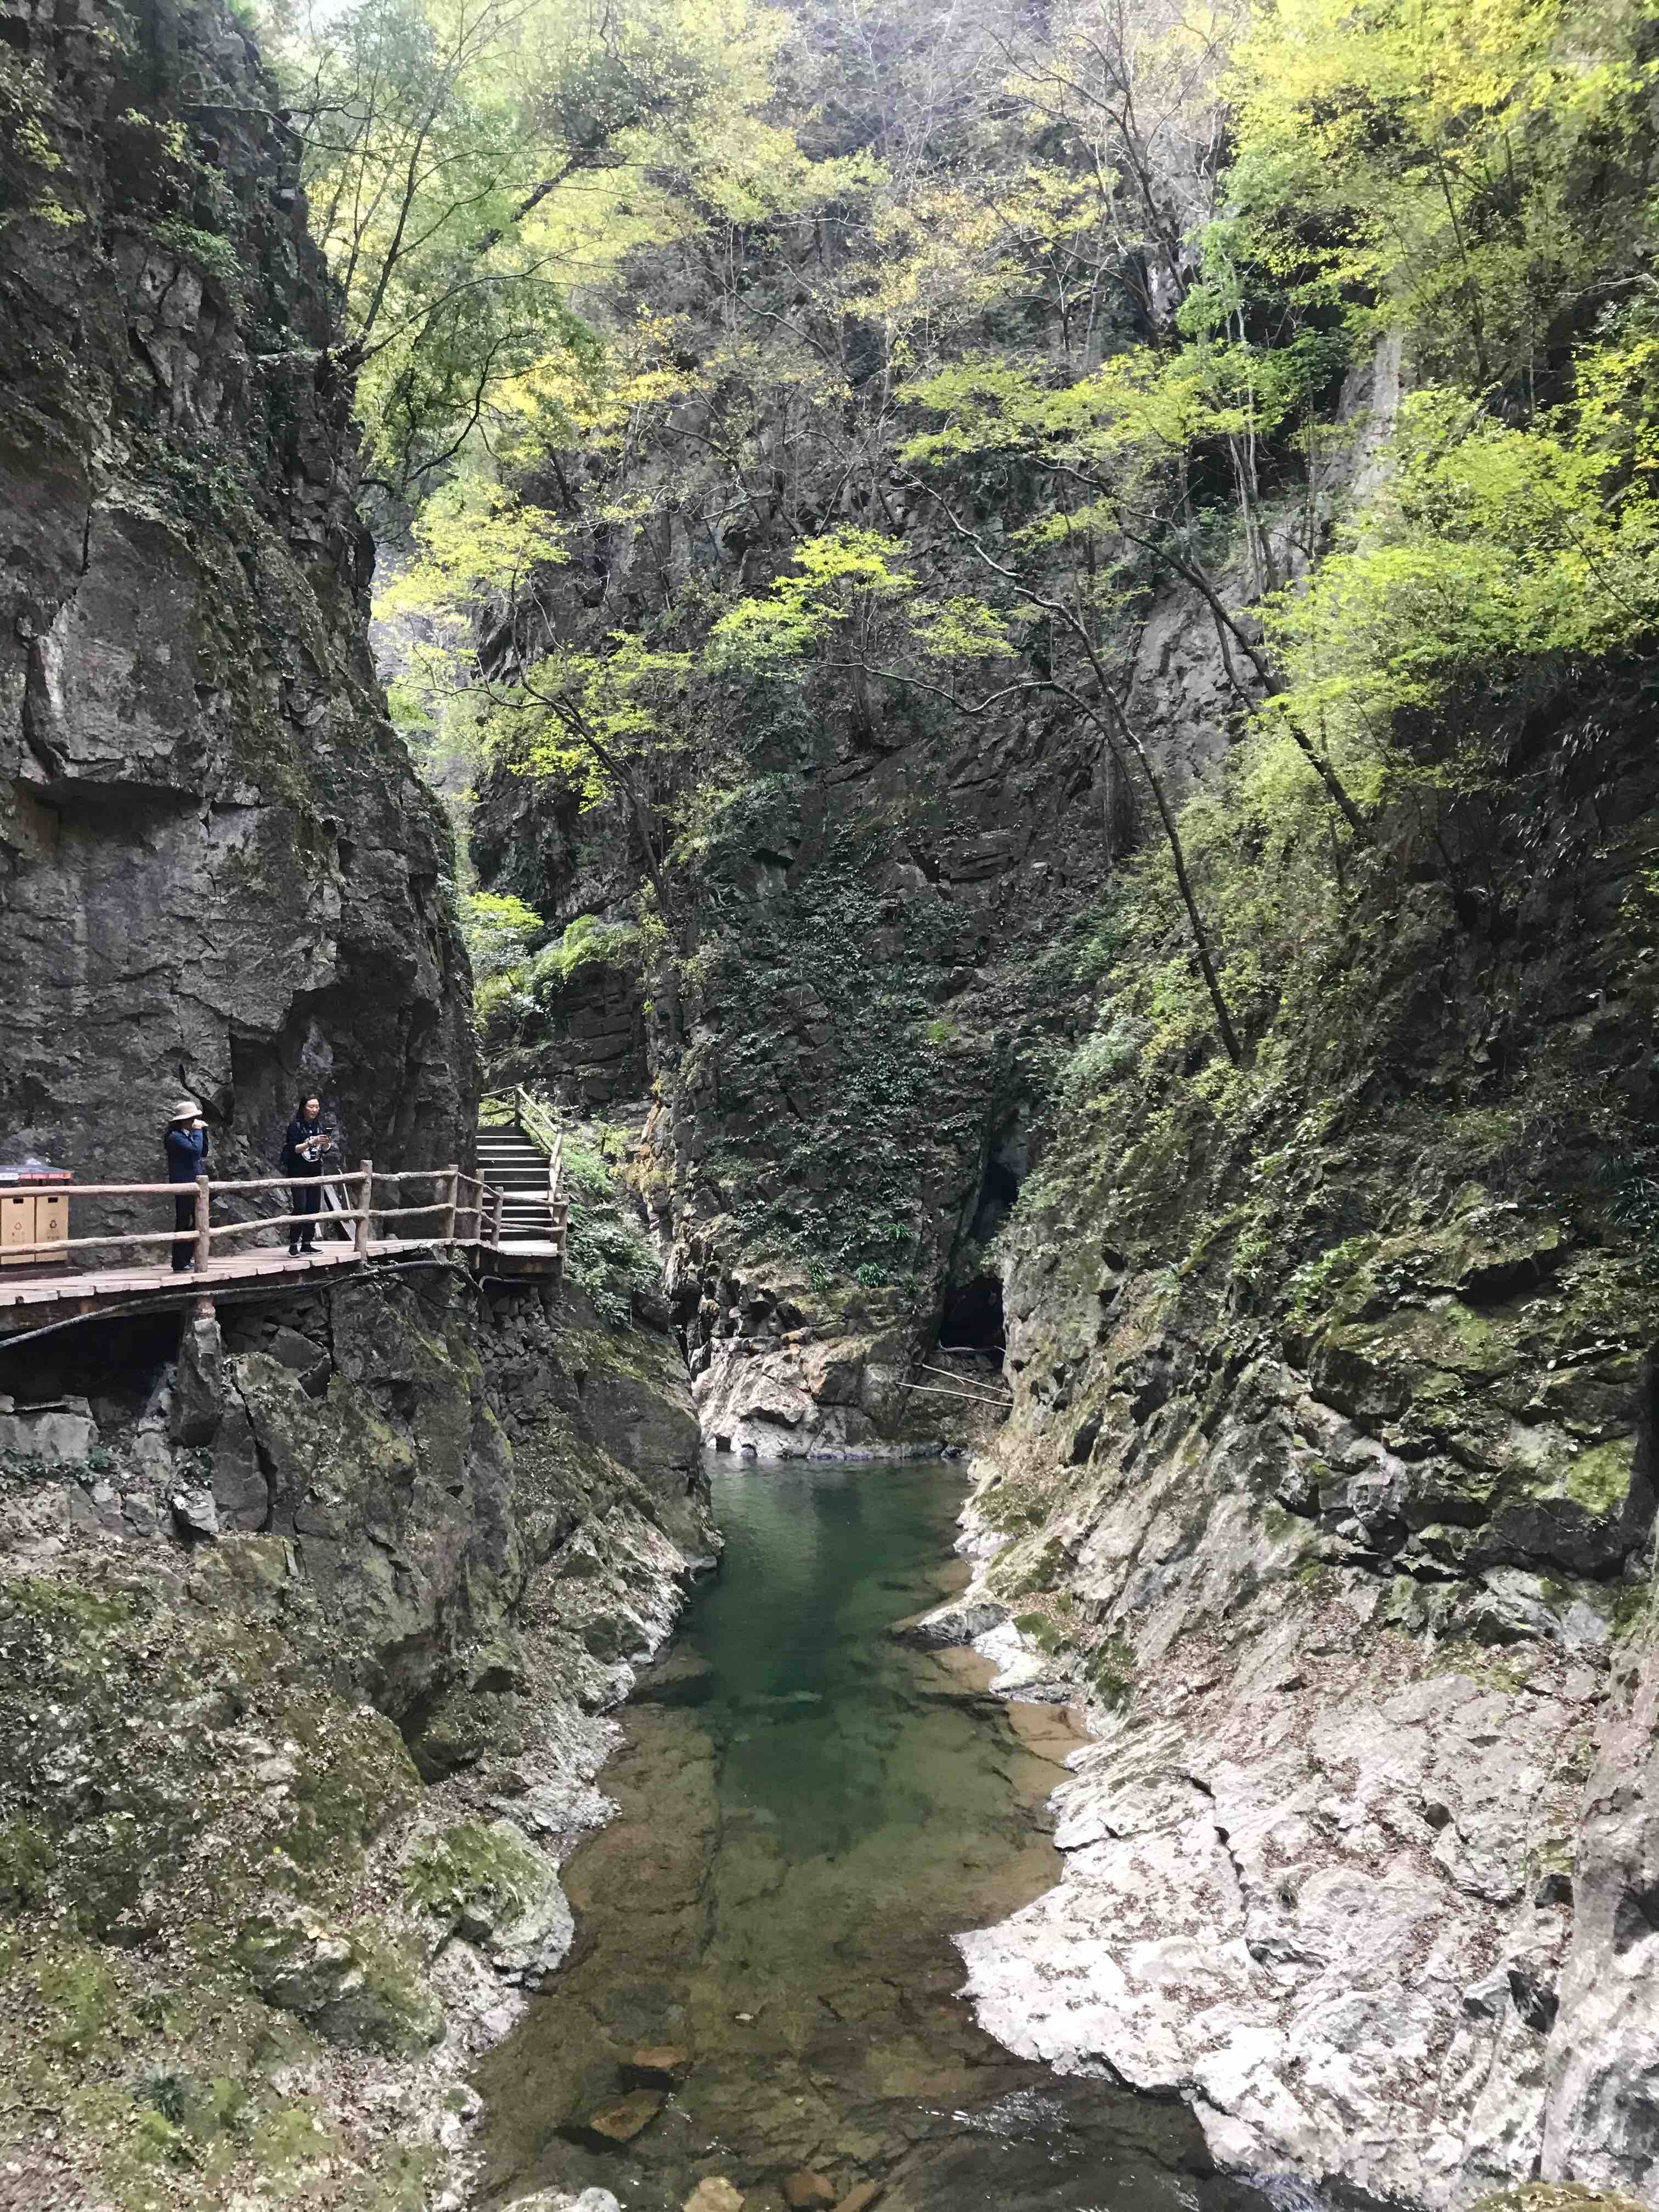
(1330, 1485)
(310, 1621)
(1328, 1480)
(312, 1609)
(218, 873)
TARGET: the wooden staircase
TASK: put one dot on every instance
(520, 1150)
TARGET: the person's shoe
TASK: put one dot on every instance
(293, 1251)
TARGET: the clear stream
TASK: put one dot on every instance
(809, 1809)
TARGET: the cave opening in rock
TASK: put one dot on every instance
(972, 1317)
(998, 1190)
(972, 1320)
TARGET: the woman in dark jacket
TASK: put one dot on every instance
(302, 1158)
(187, 1143)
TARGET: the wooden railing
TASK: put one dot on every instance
(522, 1106)
(482, 1212)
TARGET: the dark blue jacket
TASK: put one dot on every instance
(187, 1152)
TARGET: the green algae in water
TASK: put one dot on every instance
(808, 1810)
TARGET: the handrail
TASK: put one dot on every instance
(539, 1124)
(522, 1105)
(257, 1182)
(277, 1221)
(482, 1215)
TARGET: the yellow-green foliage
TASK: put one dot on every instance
(696, 496)
(1484, 543)
(499, 930)
(586, 940)
(843, 578)
(1463, 168)
(465, 165)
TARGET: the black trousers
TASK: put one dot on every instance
(307, 1197)
(184, 1217)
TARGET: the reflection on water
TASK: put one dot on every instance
(808, 1809)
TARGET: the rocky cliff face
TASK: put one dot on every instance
(309, 1626)
(309, 1614)
(839, 1130)
(1329, 1482)
(217, 871)
(879, 983)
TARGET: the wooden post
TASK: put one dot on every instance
(204, 1242)
(499, 1197)
(360, 1229)
(454, 1174)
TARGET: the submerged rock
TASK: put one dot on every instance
(620, 2122)
(806, 2191)
(658, 2066)
(962, 1620)
(859, 2199)
(716, 2194)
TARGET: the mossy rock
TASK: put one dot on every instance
(358, 1988)
(1041, 1569)
(1556, 2197)
(1109, 1671)
(78, 1992)
(355, 1778)
(1038, 1629)
(483, 1880)
(1600, 1479)
(1374, 1371)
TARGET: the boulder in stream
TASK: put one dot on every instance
(620, 2122)
(658, 2066)
(715, 2194)
(964, 1621)
(806, 2191)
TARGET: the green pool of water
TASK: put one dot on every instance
(809, 1808)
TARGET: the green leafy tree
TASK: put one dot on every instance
(1468, 174)
(469, 162)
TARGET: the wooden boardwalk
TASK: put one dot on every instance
(464, 1224)
(27, 1302)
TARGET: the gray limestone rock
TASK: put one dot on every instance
(62, 1431)
(959, 1622)
(1317, 1861)
(309, 1361)
(642, 1425)
(219, 867)
(194, 1513)
(1602, 2114)
(1290, 1913)
(240, 1490)
(198, 1386)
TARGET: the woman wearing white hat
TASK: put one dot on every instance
(187, 1152)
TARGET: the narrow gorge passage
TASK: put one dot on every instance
(809, 1808)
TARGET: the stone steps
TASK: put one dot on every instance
(511, 1163)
